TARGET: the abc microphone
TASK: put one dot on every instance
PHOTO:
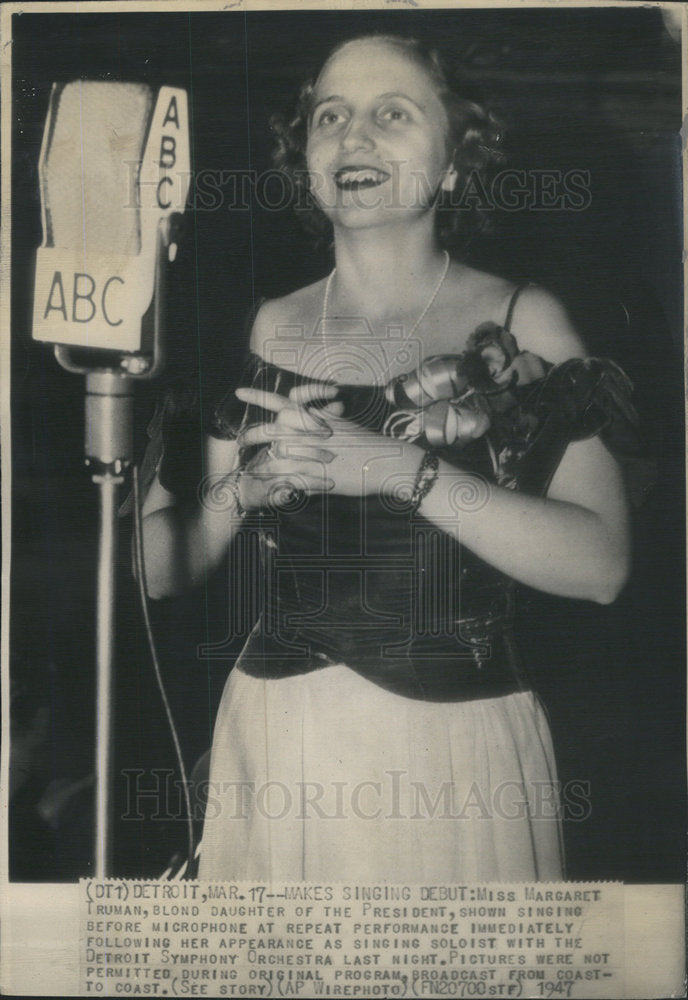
(114, 173)
(114, 164)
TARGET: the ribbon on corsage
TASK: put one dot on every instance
(526, 409)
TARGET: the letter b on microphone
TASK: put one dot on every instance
(114, 165)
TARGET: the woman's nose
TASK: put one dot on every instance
(358, 135)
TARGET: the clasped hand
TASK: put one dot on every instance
(313, 449)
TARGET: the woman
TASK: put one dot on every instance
(416, 438)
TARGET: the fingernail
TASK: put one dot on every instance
(336, 408)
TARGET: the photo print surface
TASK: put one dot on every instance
(418, 589)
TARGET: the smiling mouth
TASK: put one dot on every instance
(353, 178)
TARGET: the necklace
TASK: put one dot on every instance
(409, 335)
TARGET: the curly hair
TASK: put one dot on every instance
(473, 142)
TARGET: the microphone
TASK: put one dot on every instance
(114, 168)
(114, 171)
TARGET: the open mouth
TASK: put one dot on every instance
(353, 178)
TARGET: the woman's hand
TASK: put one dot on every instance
(364, 463)
(319, 450)
(292, 457)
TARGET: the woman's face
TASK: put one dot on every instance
(377, 137)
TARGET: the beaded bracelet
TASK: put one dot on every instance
(426, 477)
(233, 486)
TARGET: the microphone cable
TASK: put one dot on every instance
(143, 598)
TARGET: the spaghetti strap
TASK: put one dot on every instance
(512, 303)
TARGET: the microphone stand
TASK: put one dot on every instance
(109, 405)
(108, 453)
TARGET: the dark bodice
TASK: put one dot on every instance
(366, 582)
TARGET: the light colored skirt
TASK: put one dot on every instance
(325, 776)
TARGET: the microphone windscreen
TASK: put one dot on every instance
(90, 164)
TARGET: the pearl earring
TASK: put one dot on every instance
(450, 175)
(449, 179)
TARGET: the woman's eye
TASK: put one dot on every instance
(330, 117)
(394, 115)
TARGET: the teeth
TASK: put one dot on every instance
(360, 175)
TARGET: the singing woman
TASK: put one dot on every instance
(415, 437)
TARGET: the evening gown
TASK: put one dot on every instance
(379, 724)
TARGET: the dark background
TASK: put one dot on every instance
(592, 89)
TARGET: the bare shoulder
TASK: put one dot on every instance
(539, 320)
(296, 311)
(477, 296)
(542, 325)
